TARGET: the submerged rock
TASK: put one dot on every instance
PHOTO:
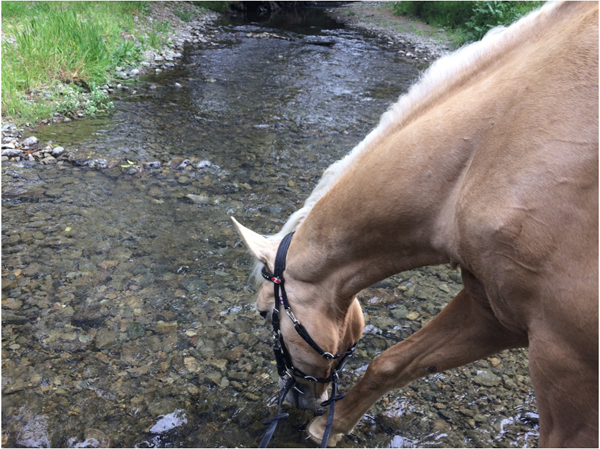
(487, 379)
(198, 199)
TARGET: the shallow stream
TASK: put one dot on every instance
(128, 317)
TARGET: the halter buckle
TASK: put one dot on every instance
(291, 315)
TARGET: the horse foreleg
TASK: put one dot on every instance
(565, 374)
(464, 331)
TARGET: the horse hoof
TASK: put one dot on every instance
(315, 434)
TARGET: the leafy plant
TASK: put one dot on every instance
(184, 15)
(490, 14)
(469, 20)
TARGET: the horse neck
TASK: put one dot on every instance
(394, 207)
(387, 214)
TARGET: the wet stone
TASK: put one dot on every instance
(165, 328)
(487, 379)
(194, 285)
(54, 193)
(135, 330)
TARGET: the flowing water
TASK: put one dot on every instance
(128, 317)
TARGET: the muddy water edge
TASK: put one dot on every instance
(128, 317)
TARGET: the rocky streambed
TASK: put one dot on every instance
(128, 317)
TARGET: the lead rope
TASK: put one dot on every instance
(283, 393)
(332, 401)
(275, 419)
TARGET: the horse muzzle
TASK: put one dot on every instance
(304, 396)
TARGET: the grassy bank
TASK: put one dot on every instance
(467, 20)
(57, 55)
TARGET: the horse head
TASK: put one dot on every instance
(314, 333)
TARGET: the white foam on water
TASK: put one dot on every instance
(170, 421)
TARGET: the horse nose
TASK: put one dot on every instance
(263, 313)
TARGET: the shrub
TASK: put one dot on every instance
(471, 19)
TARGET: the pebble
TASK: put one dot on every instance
(165, 328)
(57, 151)
(412, 315)
(30, 141)
(487, 379)
(12, 153)
(198, 199)
(48, 160)
(179, 163)
(98, 164)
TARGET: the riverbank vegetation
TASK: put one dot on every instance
(57, 55)
(467, 21)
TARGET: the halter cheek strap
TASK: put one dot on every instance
(282, 356)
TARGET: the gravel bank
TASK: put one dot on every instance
(417, 40)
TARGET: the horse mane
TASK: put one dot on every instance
(448, 71)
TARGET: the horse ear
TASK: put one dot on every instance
(264, 250)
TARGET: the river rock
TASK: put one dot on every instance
(58, 151)
(487, 379)
(104, 337)
(14, 192)
(166, 328)
(98, 163)
(179, 163)
(30, 141)
(13, 304)
(135, 330)
(198, 199)
(400, 311)
(93, 438)
(35, 432)
(12, 153)
(191, 364)
(412, 315)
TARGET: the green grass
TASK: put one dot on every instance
(55, 55)
(468, 21)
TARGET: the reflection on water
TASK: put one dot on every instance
(127, 318)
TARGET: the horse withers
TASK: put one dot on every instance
(490, 163)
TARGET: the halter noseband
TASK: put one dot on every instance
(282, 356)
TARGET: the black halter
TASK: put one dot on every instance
(282, 356)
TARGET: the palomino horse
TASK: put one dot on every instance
(489, 163)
